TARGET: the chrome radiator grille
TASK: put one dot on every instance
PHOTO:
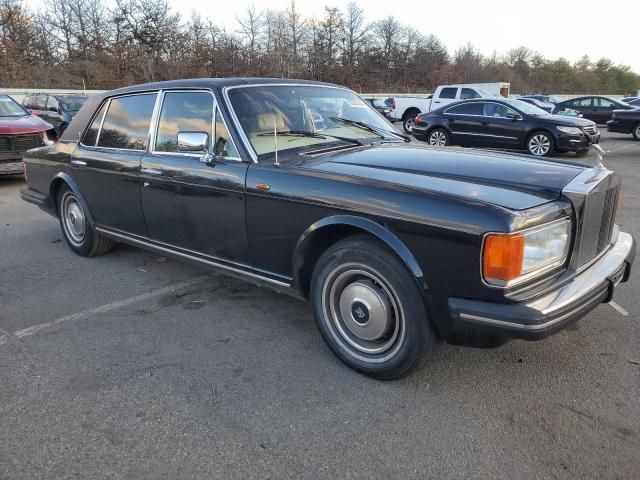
(590, 129)
(597, 221)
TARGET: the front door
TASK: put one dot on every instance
(501, 126)
(188, 203)
(106, 163)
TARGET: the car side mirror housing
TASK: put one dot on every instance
(193, 142)
(513, 116)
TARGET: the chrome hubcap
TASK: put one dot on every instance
(362, 312)
(438, 139)
(638, 131)
(539, 144)
(73, 218)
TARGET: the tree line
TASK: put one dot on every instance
(87, 44)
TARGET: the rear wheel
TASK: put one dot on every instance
(369, 309)
(439, 137)
(79, 234)
(408, 122)
(636, 131)
(540, 144)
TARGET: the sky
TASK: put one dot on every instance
(555, 28)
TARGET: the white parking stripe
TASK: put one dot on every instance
(105, 308)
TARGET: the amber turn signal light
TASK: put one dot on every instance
(502, 256)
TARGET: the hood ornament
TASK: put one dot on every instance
(600, 153)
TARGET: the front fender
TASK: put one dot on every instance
(360, 223)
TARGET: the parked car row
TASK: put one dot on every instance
(58, 110)
(504, 123)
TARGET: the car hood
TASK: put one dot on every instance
(20, 125)
(568, 121)
(512, 181)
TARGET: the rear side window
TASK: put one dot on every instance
(91, 135)
(474, 108)
(126, 124)
(448, 92)
(183, 112)
(467, 93)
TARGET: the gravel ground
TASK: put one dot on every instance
(135, 366)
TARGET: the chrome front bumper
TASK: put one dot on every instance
(553, 311)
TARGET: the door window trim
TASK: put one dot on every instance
(107, 104)
(153, 134)
(485, 116)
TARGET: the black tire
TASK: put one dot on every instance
(407, 123)
(362, 278)
(635, 131)
(62, 128)
(439, 137)
(541, 142)
(77, 231)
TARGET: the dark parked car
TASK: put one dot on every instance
(381, 106)
(630, 99)
(635, 103)
(304, 187)
(596, 108)
(542, 98)
(58, 110)
(19, 131)
(625, 121)
(547, 107)
(505, 124)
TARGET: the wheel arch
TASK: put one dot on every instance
(324, 233)
(60, 179)
(540, 129)
(411, 111)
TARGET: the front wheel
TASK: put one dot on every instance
(540, 144)
(370, 310)
(636, 131)
(79, 234)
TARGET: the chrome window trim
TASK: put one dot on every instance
(549, 267)
(93, 117)
(236, 121)
(151, 150)
(108, 105)
(485, 116)
(485, 135)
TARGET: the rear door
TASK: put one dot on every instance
(195, 205)
(465, 122)
(106, 163)
(446, 96)
(602, 109)
(585, 107)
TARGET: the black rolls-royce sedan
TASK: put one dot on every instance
(302, 186)
(625, 121)
(510, 124)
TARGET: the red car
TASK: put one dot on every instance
(19, 132)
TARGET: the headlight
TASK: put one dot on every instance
(510, 258)
(570, 130)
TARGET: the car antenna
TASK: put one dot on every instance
(275, 143)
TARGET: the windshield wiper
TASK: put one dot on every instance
(370, 128)
(305, 133)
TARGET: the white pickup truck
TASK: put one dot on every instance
(406, 107)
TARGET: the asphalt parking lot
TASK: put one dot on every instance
(136, 366)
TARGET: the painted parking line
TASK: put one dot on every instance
(74, 317)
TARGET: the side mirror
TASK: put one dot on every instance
(513, 116)
(193, 142)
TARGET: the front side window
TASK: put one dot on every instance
(91, 135)
(603, 102)
(52, 104)
(497, 110)
(474, 108)
(10, 108)
(448, 92)
(304, 116)
(467, 93)
(183, 112)
(223, 145)
(126, 124)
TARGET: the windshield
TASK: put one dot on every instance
(311, 115)
(10, 108)
(72, 104)
(527, 108)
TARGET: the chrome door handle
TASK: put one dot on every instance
(82, 163)
(151, 171)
